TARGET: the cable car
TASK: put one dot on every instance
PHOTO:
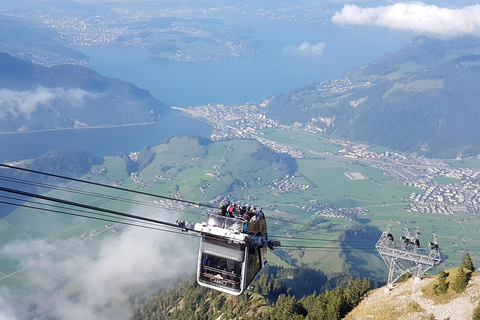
(232, 251)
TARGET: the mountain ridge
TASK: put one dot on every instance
(35, 98)
(418, 99)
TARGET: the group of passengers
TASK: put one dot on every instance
(232, 210)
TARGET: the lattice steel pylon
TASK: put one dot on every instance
(407, 256)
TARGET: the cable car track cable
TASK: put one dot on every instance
(29, 194)
(106, 185)
(92, 217)
(98, 195)
(115, 198)
(65, 208)
(127, 190)
(135, 217)
(152, 221)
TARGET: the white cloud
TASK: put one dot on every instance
(7, 312)
(415, 16)
(18, 103)
(133, 265)
(306, 49)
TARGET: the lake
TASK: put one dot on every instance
(99, 141)
(275, 70)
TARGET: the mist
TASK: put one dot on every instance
(24, 103)
(128, 269)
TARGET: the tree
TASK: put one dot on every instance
(461, 280)
(288, 308)
(467, 263)
(442, 286)
(336, 305)
(354, 290)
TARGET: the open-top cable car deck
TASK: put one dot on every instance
(232, 251)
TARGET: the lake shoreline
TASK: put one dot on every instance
(181, 114)
(82, 128)
(99, 140)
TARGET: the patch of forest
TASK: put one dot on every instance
(268, 299)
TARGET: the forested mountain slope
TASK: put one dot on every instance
(269, 301)
(34, 97)
(422, 98)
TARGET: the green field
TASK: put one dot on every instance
(308, 141)
(467, 163)
(445, 180)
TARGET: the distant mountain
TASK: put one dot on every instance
(423, 98)
(34, 42)
(33, 97)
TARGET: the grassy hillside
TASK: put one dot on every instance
(414, 299)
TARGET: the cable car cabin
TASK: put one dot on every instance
(231, 253)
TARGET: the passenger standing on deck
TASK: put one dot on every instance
(254, 215)
(260, 214)
(230, 210)
(245, 215)
(205, 262)
(223, 209)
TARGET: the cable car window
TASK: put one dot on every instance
(233, 224)
(220, 272)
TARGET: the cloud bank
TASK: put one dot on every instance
(24, 103)
(306, 49)
(415, 16)
(128, 268)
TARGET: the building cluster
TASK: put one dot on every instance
(458, 197)
(361, 152)
(84, 236)
(293, 151)
(135, 176)
(340, 85)
(347, 213)
(125, 28)
(241, 122)
(286, 184)
(81, 32)
(454, 198)
(171, 204)
(237, 121)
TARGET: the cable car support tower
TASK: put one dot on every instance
(406, 256)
